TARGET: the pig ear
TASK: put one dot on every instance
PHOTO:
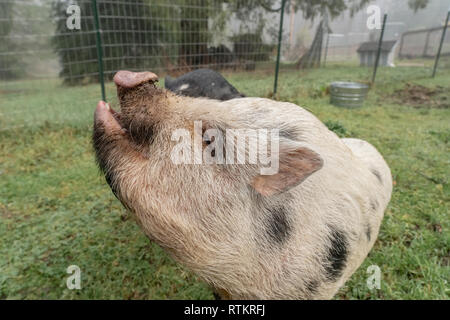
(294, 167)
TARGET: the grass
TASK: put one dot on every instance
(56, 210)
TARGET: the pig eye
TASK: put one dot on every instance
(207, 140)
(206, 137)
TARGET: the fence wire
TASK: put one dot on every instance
(49, 72)
(41, 55)
(423, 43)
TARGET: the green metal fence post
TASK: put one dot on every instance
(99, 49)
(280, 36)
(380, 44)
(438, 56)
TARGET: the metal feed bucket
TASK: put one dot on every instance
(348, 94)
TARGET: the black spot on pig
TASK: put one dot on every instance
(311, 287)
(368, 232)
(203, 83)
(377, 174)
(336, 254)
(278, 225)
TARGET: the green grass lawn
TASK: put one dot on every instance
(56, 209)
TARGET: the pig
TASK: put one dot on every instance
(297, 233)
(202, 83)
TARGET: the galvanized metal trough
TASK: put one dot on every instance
(348, 94)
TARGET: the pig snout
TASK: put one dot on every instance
(104, 115)
(129, 79)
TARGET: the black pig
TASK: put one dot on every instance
(203, 83)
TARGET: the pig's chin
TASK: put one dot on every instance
(110, 126)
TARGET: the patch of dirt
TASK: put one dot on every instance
(436, 227)
(445, 261)
(422, 97)
(5, 213)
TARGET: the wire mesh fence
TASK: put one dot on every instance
(423, 43)
(134, 34)
(50, 62)
(44, 50)
(420, 44)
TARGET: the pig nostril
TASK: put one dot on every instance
(129, 79)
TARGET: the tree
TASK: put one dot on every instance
(313, 56)
(327, 10)
(10, 65)
(310, 9)
(142, 34)
(132, 41)
(416, 5)
(194, 33)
